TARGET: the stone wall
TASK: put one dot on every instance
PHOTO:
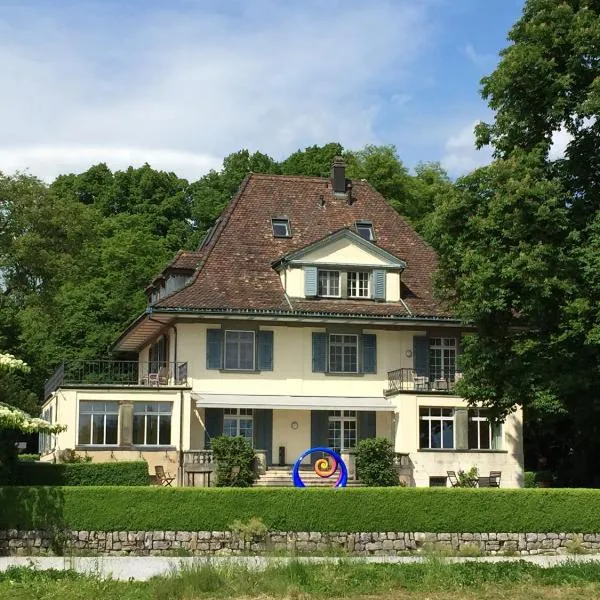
(153, 543)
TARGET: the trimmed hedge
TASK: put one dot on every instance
(289, 509)
(84, 473)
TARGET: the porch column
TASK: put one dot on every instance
(461, 420)
(126, 423)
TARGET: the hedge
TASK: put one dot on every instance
(358, 509)
(85, 473)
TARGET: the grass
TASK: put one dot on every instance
(433, 579)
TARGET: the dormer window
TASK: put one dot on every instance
(281, 227)
(329, 284)
(365, 230)
(358, 284)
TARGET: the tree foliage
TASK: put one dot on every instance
(519, 239)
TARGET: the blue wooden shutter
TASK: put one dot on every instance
(263, 432)
(265, 350)
(378, 284)
(213, 424)
(366, 424)
(319, 352)
(369, 353)
(421, 355)
(214, 349)
(310, 281)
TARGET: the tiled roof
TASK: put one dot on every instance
(237, 273)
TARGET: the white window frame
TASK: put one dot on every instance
(478, 415)
(89, 414)
(441, 418)
(356, 284)
(275, 221)
(344, 343)
(237, 415)
(238, 368)
(447, 347)
(158, 413)
(326, 293)
(345, 418)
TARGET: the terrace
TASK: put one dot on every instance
(409, 381)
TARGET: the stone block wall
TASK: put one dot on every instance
(156, 543)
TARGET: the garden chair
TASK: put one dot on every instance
(452, 478)
(495, 478)
(483, 482)
(163, 478)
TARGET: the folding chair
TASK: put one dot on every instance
(452, 478)
(495, 478)
(163, 478)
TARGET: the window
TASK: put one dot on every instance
(436, 428)
(239, 350)
(342, 430)
(358, 284)
(442, 358)
(483, 433)
(152, 423)
(239, 422)
(157, 355)
(329, 284)
(343, 353)
(98, 423)
(281, 227)
(47, 440)
(365, 230)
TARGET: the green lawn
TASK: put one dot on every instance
(433, 580)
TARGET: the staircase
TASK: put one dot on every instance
(282, 477)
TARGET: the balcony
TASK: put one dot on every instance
(117, 373)
(407, 381)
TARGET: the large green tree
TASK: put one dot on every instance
(519, 239)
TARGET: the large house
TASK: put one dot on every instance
(306, 318)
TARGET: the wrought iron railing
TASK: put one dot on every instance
(407, 380)
(117, 372)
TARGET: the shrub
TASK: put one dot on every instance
(29, 457)
(375, 462)
(69, 455)
(83, 473)
(235, 461)
(467, 478)
(317, 509)
(529, 480)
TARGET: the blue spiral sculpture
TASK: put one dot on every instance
(323, 467)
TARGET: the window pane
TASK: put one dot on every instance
(165, 430)
(112, 429)
(473, 441)
(138, 429)
(423, 434)
(85, 406)
(496, 436)
(246, 429)
(97, 429)
(84, 429)
(111, 407)
(448, 434)
(436, 434)
(484, 435)
(151, 429)
(230, 427)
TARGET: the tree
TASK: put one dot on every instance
(519, 239)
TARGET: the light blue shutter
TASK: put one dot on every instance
(214, 348)
(421, 355)
(319, 352)
(310, 281)
(265, 350)
(379, 284)
(369, 345)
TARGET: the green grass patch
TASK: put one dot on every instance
(288, 509)
(296, 579)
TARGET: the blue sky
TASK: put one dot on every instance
(182, 83)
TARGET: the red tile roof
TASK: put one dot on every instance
(237, 273)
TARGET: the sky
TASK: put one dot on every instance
(180, 84)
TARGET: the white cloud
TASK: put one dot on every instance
(180, 90)
(479, 59)
(560, 140)
(461, 155)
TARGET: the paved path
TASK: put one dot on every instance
(144, 567)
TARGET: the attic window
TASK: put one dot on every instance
(281, 228)
(365, 230)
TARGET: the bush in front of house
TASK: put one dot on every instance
(82, 473)
(402, 509)
(375, 462)
(29, 457)
(529, 479)
(235, 461)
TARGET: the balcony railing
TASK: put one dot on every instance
(407, 380)
(117, 373)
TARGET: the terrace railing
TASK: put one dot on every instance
(117, 373)
(407, 380)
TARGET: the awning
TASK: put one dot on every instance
(291, 402)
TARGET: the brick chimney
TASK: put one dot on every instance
(338, 175)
